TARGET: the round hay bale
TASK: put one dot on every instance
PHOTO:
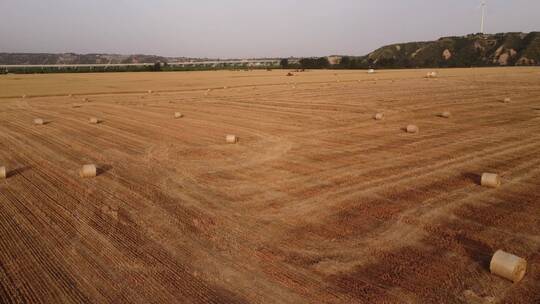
(3, 173)
(231, 139)
(412, 129)
(378, 116)
(24, 96)
(508, 266)
(431, 75)
(178, 115)
(507, 100)
(39, 121)
(88, 171)
(94, 120)
(86, 99)
(150, 91)
(445, 114)
(371, 71)
(490, 180)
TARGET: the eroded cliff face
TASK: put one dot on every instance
(506, 49)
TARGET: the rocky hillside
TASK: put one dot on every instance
(505, 49)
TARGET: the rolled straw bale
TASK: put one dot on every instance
(39, 121)
(178, 115)
(412, 129)
(431, 75)
(378, 116)
(508, 266)
(231, 139)
(88, 171)
(225, 87)
(150, 91)
(3, 173)
(94, 120)
(507, 100)
(445, 114)
(371, 71)
(491, 180)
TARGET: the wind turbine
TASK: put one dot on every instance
(483, 5)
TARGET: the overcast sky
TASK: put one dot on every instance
(246, 28)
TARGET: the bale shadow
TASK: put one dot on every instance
(102, 169)
(475, 178)
(477, 251)
(18, 171)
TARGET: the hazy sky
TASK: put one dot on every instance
(246, 28)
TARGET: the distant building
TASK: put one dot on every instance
(333, 60)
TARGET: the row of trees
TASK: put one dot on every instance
(304, 63)
(156, 67)
(323, 63)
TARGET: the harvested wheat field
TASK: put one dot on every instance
(316, 202)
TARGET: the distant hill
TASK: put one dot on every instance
(71, 58)
(504, 49)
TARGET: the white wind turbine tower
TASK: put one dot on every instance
(483, 5)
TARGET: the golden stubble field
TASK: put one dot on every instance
(317, 203)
